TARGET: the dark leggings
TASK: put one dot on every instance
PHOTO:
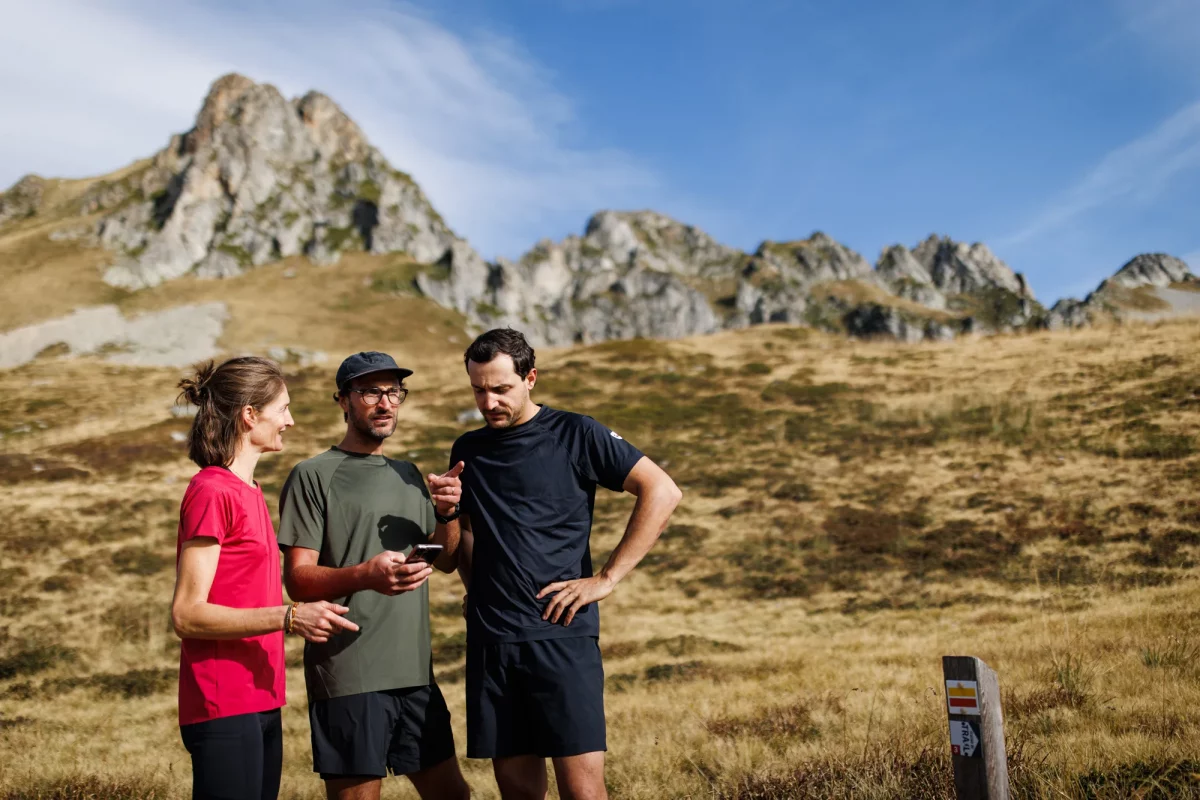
(236, 758)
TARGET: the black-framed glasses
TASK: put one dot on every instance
(373, 395)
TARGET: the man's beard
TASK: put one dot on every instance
(363, 425)
(511, 415)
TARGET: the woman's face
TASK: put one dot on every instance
(266, 432)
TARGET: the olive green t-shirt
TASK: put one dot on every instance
(351, 507)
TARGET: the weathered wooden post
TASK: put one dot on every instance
(976, 729)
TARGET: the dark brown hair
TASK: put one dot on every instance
(220, 393)
(501, 340)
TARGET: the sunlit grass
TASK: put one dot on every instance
(852, 512)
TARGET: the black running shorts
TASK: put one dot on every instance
(542, 698)
(369, 734)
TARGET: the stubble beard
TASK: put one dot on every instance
(511, 416)
(363, 425)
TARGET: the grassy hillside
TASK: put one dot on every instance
(852, 512)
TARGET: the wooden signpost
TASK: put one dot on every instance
(976, 729)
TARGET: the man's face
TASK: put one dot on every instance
(377, 421)
(501, 395)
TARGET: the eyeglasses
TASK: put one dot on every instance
(373, 395)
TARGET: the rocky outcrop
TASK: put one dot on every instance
(169, 338)
(959, 268)
(627, 276)
(1069, 313)
(1151, 269)
(907, 277)
(873, 320)
(259, 178)
(1140, 289)
(776, 282)
(22, 199)
(972, 281)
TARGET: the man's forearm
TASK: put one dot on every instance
(310, 583)
(448, 535)
(650, 515)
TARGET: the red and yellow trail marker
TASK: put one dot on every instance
(963, 697)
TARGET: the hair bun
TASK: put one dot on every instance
(195, 389)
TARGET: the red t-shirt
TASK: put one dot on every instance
(223, 677)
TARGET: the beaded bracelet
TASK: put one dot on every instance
(290, 618)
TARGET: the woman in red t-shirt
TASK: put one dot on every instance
(228, 606)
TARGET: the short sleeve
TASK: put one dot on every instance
(302, 510)
(603, 455)
(206, 511)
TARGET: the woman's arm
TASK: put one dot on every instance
(195, 618)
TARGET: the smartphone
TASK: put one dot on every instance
(424, 552)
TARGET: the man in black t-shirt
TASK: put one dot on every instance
(535, 681)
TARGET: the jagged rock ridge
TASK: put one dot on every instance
(637, 274)
(260, 177)
(642, 273)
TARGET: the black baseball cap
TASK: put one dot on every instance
(365, 363)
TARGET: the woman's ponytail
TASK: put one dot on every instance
(220, 393)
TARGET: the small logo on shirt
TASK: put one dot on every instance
(615, 435)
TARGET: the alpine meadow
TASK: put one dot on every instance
(881, 465)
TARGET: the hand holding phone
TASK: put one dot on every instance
(393, 573)
(424, 552)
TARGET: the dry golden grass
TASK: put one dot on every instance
(44, 278)
(852, 512)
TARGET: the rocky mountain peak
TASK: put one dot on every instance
(959, 268)
(226, 98)
(258, 178)
(818, 258)
(331, 129)
(658, 242)
(1152, 269)
(22, 199)
(1144, 287)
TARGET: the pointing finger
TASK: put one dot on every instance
(342, 622)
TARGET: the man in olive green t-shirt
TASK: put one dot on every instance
(348, 517)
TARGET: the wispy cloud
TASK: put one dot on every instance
(1169, 28)
(473, 117)
(1138, 171)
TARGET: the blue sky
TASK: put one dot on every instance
(1064, 134)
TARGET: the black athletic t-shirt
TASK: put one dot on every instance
(529, 491)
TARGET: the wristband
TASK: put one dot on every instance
(448, 518)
